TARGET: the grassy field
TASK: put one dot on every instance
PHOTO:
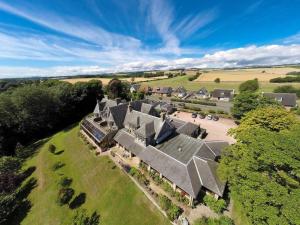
(108, 190)
(106, 80)
(210, 85)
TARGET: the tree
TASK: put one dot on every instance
(9, 164)
(117, 89)
(287, 89)
(81, 218)
(65, 195)
(217, 80)
(8, 204)
(249, 85)
(31, 111)
(247, 101)
(262, 168)
(273, 118)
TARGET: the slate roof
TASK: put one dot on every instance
(207, 171)
(286, 99)
(146, 130)
(222, 93)
(190, 168)
(127, 140)
(159, 124)
(202, 91)
(187, 128)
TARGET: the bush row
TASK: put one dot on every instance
(194, 101)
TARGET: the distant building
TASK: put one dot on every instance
(286, 99)
(134, 88)
(180, 92)
(163, 91)
(222, 94)
(202, 93)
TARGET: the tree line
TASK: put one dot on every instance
(32, 111)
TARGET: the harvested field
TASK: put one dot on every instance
(106, 80)
(240, 75)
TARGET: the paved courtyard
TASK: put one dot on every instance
(217, 130)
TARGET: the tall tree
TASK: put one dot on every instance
(263, 167)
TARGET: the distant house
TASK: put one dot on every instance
(134, 88)
(286, 99)
(163, 91)
(202, 93)
(222, 94)
(180, 92)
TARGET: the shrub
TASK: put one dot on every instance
(249, 85)
(164, 202)
(217, 80)
(216, 205)
(65, 195)
(57, 166)
(194, 77)
(52, 148)
(223, 220)
(173, 212)
(167, 187)
(133, 171)
(211, 111)
(65, 182)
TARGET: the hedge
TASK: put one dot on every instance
(194, 102)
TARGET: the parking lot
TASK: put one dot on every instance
(217, 130)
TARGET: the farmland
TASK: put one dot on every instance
(106, 80)
(230, 79)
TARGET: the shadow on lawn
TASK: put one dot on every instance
(25, 205)
(59, 152)
(78, 201)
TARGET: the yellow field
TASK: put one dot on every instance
(240, 75)
(106, 80)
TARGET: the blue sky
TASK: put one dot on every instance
(39, 37)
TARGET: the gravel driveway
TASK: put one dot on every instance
(217, 130)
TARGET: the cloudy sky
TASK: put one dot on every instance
(42, 38)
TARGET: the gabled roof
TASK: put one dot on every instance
(146, 108)
(207, 171)
(286, 99)
(187, 128)
(146, 130)
(127, 140)
(202, 91)
(159, 124)
(222, 93)
(118, 113)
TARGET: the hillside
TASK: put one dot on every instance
(115, 197)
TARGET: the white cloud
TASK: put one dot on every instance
(239, 57)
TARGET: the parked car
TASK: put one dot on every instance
(209, 117)
(201, 116)
(194, 115)
(215, 118)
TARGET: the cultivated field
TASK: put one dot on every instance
(240, 75)
(230, 79)
(106, 80)
(108, 190)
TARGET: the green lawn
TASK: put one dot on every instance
(108, 189)
(196, 85)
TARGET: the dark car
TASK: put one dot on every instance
(194, 115)
(215, 118)
(201, 116)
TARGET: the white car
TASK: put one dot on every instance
(209, 117)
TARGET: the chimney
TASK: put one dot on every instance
(130, 107)
(163, 116)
